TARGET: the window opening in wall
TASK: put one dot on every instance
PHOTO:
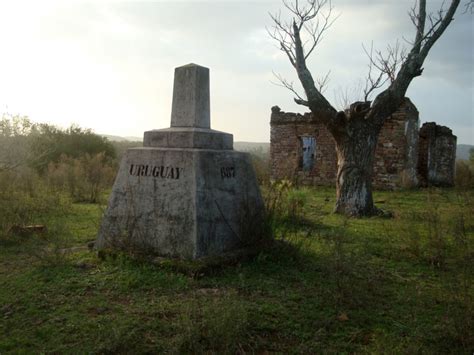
(308, 152)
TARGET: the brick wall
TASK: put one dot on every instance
(286, 149)
(396, 154)
(395, 157)
(437, 155)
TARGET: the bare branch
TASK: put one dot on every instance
(349, 94)
(282, 82)
(418, 19)
(373, 82)
(439, 26)
(382, 67)
(283, 35)
(412, 64)
(301, 102)
(469, 7)
(322, 82)
(309, 22)
(316, 29)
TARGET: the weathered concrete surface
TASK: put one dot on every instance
(178, 137)
(190, 115)
(185, 203)
(229, 207)
(186, 193)
(140, 215)
(191, 100)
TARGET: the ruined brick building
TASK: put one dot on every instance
(303, 150)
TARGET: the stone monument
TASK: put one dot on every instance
(186, 193)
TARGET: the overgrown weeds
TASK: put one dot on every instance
(285, 207)
(286, 204)
(261, 165)
(26, 199)
(441, 236)
(52, 247)
(329, 284)
(211, 324)
(435, 235)
(29, 213)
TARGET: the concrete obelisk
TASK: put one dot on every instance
(186, 193)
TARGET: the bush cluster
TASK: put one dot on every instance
(465, 172)
(43, 167)
(84, 178)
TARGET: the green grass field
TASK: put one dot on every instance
(331, 284)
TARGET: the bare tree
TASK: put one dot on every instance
(469, 7)
(356, 130)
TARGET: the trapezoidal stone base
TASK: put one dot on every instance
(187, 203)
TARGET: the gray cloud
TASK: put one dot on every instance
(145, 40)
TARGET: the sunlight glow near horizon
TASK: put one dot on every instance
(108, 65)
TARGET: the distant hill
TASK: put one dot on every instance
(462, 151)
(134, 139)
(121, 139)
(252, 147)
(241, 146)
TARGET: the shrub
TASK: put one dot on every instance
(85, 178)
(14, 143)
(52, 143)
(464, 178)
(275, 196)
(285, 202)
(285, 215)
(295, 201)
(38, 145)
(261, 165)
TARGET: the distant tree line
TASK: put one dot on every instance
(74, 160)
(39, 144)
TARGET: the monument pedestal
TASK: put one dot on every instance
(184, 137)
(186, 193)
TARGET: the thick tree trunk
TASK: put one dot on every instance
(355, 155)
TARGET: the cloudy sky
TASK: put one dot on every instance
(108, 65)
